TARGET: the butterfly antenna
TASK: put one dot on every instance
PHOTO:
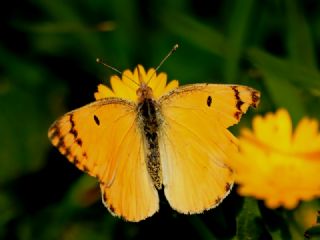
(98, 60)
(175, 47)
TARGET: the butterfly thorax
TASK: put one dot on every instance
(149, 121)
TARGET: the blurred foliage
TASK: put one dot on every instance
(47, 66)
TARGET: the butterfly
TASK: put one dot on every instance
(142, 135)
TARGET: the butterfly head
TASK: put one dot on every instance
(144, 92)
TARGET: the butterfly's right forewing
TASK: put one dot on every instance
(103, 140)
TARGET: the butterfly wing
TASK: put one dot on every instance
(103, 140)
(195, 144)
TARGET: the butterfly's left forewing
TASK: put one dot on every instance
(195, 144)
(103, 139)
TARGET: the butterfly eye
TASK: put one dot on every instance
(96, 119)
(209, 101)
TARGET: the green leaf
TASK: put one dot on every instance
(238, 26)
(300, 44)
(285, 95)
(205, 37)
(284, 69)
(313, 232)
(249, 225)
(65, 15)
(25, 92)
(84, 192)
(202, 229)
(24, 121)
(20, 71)
(8, 209)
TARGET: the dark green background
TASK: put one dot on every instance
(47, 67)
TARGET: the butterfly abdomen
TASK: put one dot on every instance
(150, 126)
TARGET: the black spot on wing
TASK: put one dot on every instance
(104, 196)
(209, 101)
(79, 142)
(228, 187)
(236, 92)
(239, 104)
(255, 98)
(111, 208)
(68, 152)
(61, 144)
(218, 200)
(238, 115)
(86, 169)
(76, 161)
(54, 132)
(238, 99)
(72, 121)
(96, 119)
(74, 132)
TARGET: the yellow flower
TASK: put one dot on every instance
(127, 86)
(276, 164)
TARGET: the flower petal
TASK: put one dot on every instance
(127, 86)
(269, 165)
(103, 92)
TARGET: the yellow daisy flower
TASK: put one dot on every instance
(126, 86)
(276, 164)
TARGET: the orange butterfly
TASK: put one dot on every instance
(142, 134)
